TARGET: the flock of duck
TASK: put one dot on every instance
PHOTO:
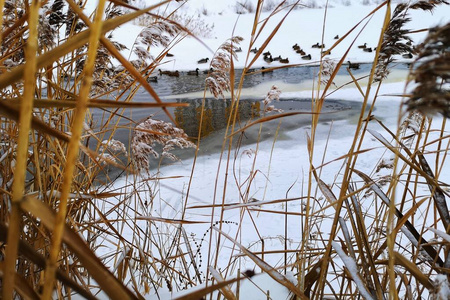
(268, 58)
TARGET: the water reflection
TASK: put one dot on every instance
(216, 114)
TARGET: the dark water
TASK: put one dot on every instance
(169, 86)
(217, 112)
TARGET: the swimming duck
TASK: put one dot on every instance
(367, 49)
(173, 73)
(268, 58)
(208, 71)
(296, 46)
(152, 79)
(277, 58)
(362, 46)
(301, 52)
(193, 72)
(317, 45)
(284, 60)
(336, 37)
(254, 50)
(203, 61)
(238, 50)
(307, 57)
(353, 66)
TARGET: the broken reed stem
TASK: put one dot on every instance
(72, 151)
(18, 187)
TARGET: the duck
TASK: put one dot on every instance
(301, 52)
(254, 50)
(317, 45)
(173, 73)
(353, 66)
(277, 58)
(267, 53)
(284, 60)
(296, 46)
(362, 46)
(238, 50)
(367, 49)
(268, 58)
(407, 55)
(307, 57)
(325, 53)
(193, 72)
(163, 72)
(336, 37)
(208, 71)
(169, 54)
(152, 79)
(203, 60)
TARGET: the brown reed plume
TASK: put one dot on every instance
(151, 132)
(395, 41)
(427, 5)
(432, 74)
(218, 80)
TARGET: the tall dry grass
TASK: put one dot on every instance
(64, 231)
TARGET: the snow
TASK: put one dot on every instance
(297, 28)
(352, 268)
(272, 169)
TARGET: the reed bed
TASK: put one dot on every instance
(67, 228)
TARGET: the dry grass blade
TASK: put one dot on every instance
(312, 276)
(25, 119)
(353, 269)
(30, 253)
(226, 290)
(21, 285)
(414, 270)
(436, 191)
(281, 279)
(128, 66)
(108, 283)
(199, 294)
(12, 112)
(74, 43)
(411, 164)
(415, 237)
(326, 191)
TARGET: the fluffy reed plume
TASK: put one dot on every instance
(151, 131)
(109, 149)
(159, 33)
(432, 74)
(327, 70)
(272, 95)
(395, 41)
(218, 81)
(427, 5)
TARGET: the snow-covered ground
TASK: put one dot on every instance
(301, 26)
(272, 169)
